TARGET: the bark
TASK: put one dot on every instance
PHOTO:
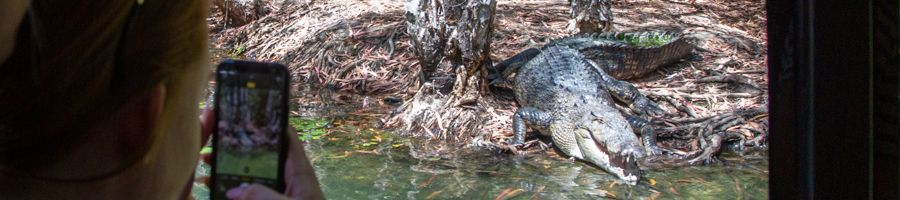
(590, 16)
(426, 27)
(451, 37)
(472, 37)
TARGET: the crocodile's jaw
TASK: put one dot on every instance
(622, 166)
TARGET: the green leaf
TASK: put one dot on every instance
(205, 150)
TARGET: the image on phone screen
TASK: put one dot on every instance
(249, 126)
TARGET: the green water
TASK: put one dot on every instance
(354, 161)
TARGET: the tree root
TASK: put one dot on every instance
(435, 115)
(710, 133)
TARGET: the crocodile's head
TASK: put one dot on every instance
(607, 143)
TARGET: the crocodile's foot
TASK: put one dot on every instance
(519, 147)
(543, 146)
(658, 151)
(635, 152)
(644, 106)
(655, 150)
(516, 149)
(516, 145)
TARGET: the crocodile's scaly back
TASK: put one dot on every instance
(629, 55)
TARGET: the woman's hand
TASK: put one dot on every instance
(299, 176)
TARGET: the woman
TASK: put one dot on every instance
(98, 100)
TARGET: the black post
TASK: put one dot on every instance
(822, 91)
(886, 60)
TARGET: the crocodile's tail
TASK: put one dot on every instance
(630, 54)
(512, 64)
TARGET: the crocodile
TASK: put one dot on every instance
(622, 55)
(565, 92)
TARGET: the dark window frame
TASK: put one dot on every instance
(832, 69)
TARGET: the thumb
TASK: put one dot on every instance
(207, 124)
(253, 192)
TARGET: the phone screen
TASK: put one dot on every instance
(250, 123)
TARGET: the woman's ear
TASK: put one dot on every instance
(140, 119)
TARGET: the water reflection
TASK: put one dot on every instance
(394, 172)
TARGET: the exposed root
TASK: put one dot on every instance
(441, 117)
(710, 133)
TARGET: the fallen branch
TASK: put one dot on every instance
(748, 72)
(730, 78)
(699, 96)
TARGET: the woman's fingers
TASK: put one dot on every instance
(207, 120)
(253, 191)
(202, 180)
(207, 123)
(300, 177)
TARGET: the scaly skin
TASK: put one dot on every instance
(615, 56)
(565, 90)
(622, 60)
(564, 95)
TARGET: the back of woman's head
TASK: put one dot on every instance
(72, 67)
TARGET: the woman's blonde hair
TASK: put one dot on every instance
(63, 78)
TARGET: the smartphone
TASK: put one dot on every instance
(249, 143)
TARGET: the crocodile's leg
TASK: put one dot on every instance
(564, 137)
(648, 135)
(531, 117)
(627, 93)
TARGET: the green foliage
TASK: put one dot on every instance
(309, 129)
(236, 52)
(652, 40)
(206, 149)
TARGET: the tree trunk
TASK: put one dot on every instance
(240, 12)
(472, 47)
(451, 39)
(590, 16)
(456, 32)
(426, 27)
